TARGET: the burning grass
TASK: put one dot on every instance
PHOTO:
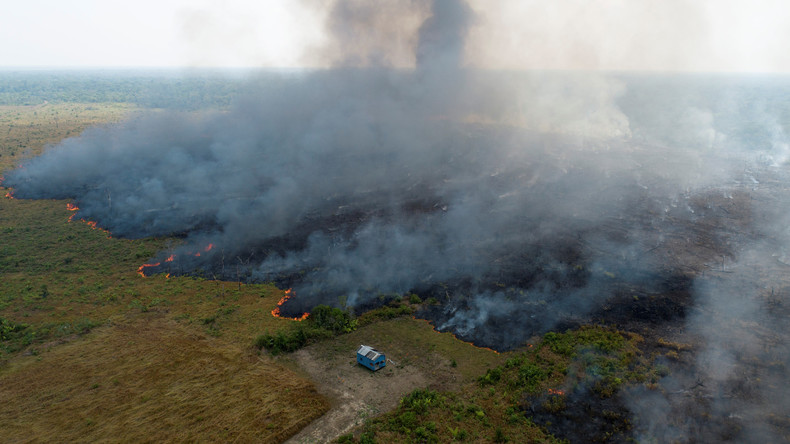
(171, 360)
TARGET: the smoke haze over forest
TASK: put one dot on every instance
(520, 200)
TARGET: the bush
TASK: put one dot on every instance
(499, 435)
(367, 438)
(333, 319)
(282, 342)
(491, 377)
(530, 376)
(419, 400)
(384, 313)
(10, 329)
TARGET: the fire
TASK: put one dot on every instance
(207, 249)
(170, 258)
(72, 207)
(93, 225)
(556, 392)
(90, 223)
(10, 194)
(141, 270)
(276, 312)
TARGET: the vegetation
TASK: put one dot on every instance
(514, 402)
(87, 344)
(326, 322)
(153, 379)
(323, 322)
(155, 89)
(89, 349)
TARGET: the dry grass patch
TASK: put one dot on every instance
(152, 380)
(26, 130)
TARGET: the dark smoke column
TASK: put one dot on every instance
(440, 55)
(442, 36)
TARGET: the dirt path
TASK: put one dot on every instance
(356, 393)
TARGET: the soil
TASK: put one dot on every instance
(356, 393)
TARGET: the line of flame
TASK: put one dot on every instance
(93, 226)
(556, 392)
(141, 270)
(276, 312)
(90, 223)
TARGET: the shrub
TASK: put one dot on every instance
(499, 435)
(333, 319)
(9, 329)
(530, 376)
(367, 438)
(282, 342)
(419, 400)
(491, 377)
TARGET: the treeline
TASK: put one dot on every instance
(157, 89)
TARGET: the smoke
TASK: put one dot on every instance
(728, 379)
(519, 201)
(499, 192)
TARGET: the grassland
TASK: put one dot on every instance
(92, 351)
(566, 377)
(26, 130)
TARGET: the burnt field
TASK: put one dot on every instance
(512, 203)
(506, 241)
(619, 240)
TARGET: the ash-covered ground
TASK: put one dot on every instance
(521, 202)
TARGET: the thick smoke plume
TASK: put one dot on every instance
(507, 190)
(520, 201)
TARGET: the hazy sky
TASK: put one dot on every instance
(665, 35)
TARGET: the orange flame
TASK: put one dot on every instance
(93, 225)
(208, 247)
(556, 392)
(170, 258)
(10, 194)
(276, 312)
(72, 207)
(141, 270)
